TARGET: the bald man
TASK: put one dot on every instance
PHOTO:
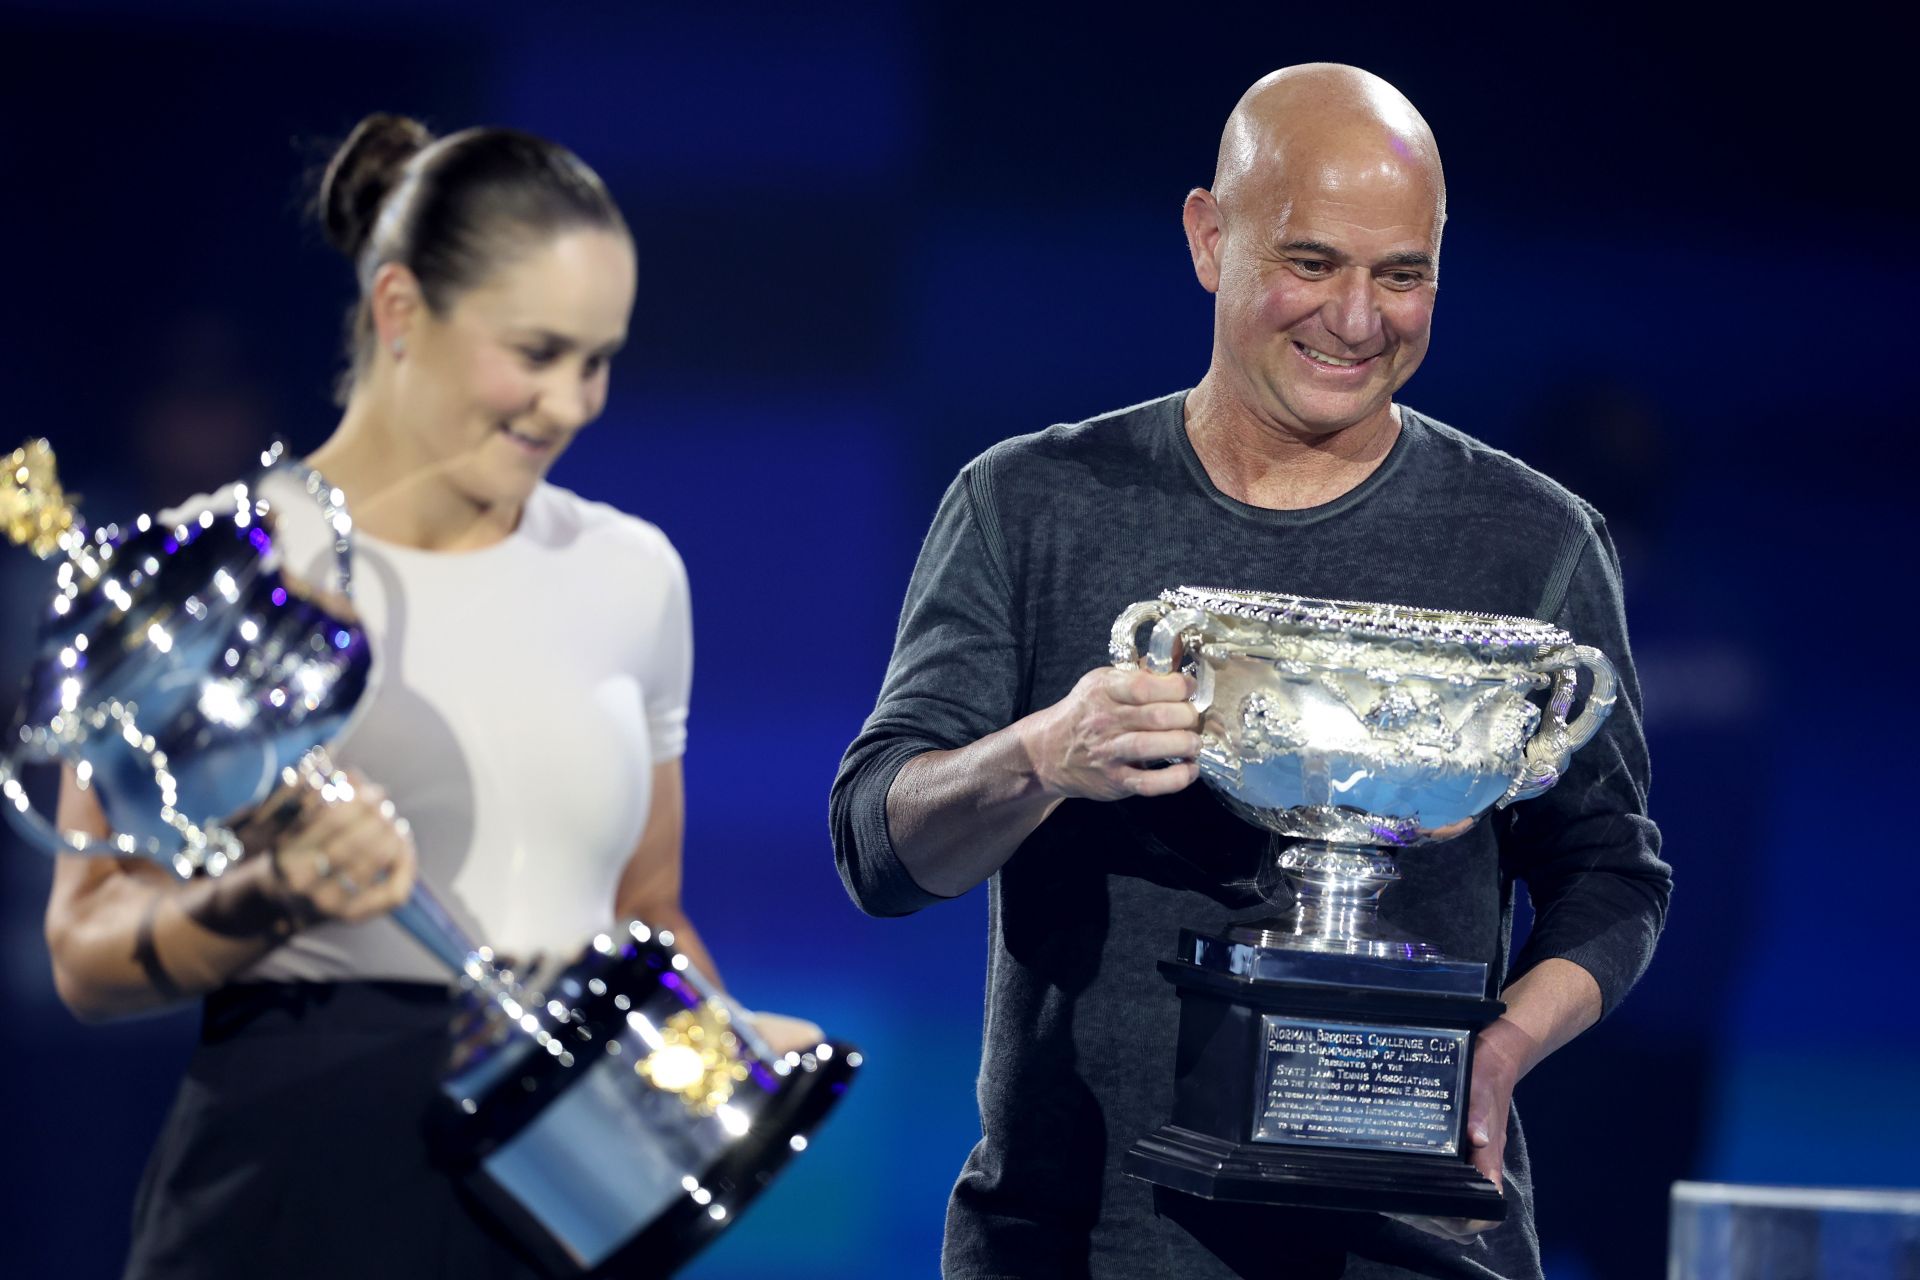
(1004, 748)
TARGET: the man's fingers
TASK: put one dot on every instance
(1161, 782)
(1138, 688)
(1146, 748)
(1161, 715)
(1489, 1161)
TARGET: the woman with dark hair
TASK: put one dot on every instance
(527, 720)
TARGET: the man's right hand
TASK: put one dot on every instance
(1099, 741)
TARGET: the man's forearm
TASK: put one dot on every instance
(955, 816)
(1547, 1006)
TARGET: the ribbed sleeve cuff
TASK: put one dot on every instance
(878, 881)
(1613, 941)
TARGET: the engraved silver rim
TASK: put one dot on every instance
(1371, 620)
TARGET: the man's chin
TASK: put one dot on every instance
(1323, 416)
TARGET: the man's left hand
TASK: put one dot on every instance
(1502, 1052)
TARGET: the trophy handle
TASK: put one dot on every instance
(33, 827)
(1555, 741)
(332, 504)
(1175, 646)
(1172, 646)
(1123, 646)
(211, 848)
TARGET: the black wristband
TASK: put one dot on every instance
(147, 955)
(232, 910)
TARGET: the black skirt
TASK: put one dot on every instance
(297, 1145)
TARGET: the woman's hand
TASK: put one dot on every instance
(346, 855)
(787, 1035)
(125, 937)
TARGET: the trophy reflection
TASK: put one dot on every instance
(1324, 1056)
(615, 1118)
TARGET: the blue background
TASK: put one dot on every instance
(873, 240)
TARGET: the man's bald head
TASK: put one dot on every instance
(1320, 242)
(1324, 118)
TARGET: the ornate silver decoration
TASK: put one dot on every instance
(1360, 728)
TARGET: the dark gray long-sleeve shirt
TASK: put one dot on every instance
(1037, 546)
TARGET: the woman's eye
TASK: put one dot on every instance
(539, 357)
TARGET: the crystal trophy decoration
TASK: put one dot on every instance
(617, 1116)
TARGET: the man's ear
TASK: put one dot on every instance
(1201, 214)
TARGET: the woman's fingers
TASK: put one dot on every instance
(351, 856)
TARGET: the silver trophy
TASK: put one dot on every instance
(618, 1114)
(1324, 1055)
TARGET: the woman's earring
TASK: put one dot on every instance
(398, 346)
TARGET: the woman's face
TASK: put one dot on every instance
(494, 390)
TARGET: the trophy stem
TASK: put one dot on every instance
(429, 923)
(1336, 893)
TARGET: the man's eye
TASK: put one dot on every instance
(538, 357)
(1312, 266)
(1403, 279)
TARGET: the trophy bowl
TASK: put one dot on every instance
(1355, 729)
(179, 673)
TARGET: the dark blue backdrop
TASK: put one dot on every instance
(876, 238)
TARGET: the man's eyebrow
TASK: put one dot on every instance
(1411, 258)
(1320, 248)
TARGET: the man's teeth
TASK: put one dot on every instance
(535, 441)
(1335, 361)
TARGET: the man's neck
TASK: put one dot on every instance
(1263, 464)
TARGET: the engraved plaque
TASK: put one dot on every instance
(1352, 1085)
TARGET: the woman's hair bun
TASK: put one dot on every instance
(361, 174)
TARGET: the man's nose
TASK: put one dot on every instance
(1351, 314)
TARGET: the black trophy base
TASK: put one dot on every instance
(1367, 1181)
(1322, 1080)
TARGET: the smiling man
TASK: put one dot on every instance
(1004, 749)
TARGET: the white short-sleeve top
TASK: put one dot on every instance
(521, 695)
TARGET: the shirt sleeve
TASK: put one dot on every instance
(954, 677)
(666, 663)
(1588, 852)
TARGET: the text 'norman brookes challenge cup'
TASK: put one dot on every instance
(617, 1119)
(1324, 1056)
